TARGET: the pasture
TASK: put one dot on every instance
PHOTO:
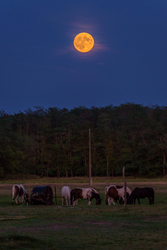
(84, 227)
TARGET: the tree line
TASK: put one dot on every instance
(54, 142)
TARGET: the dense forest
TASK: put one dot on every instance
(55, 142)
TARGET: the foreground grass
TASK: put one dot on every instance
(82, 226)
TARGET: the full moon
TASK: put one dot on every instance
(83, 42)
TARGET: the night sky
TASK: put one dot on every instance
(39, 66)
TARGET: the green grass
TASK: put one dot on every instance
(84, 227)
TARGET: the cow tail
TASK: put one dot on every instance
(71, 197)
(106, 196)
(15, 192)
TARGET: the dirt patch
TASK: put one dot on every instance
(13, 218)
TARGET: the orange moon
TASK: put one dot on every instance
(83, 42)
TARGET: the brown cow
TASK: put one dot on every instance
(114, 192)
(110, 194)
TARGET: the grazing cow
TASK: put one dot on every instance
(18, 191)
(114, 192)
(84, 193)
(65, 193)
(142, 193)
(111, 194)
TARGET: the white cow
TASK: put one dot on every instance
(65, 193)
(18, 191)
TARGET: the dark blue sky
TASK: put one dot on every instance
(40, 67)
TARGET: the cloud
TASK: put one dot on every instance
(99, 46)
(81, 26)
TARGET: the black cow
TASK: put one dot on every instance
(138, 193)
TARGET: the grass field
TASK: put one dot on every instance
(84, 227)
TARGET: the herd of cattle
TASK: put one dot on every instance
(113, 193)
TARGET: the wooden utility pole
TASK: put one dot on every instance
(90, 161)
(125, 201)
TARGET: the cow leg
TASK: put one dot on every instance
(17, 199)
(22, 198)
(75, 202)
(138, 201)
(21, 195)
(66, 201)
(112, 200)
(116, 200)
(15, 194)
(150, 202)
(89, 202)
(62, 201)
